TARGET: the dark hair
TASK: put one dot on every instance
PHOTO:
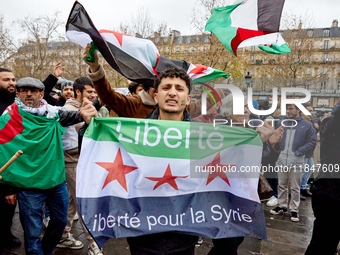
(133, 87)
(80, 84)
(173, 72)
(264, 105)
(307, 105)
(4, 70)
(294, 106)
(52, 93)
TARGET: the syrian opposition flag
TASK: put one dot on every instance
(140, 176)
(245, 20)
(41, 165)
(135, 58)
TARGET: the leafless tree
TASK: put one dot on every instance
(38, 52)
(290, 69)
(213, 53)
(5, 39)
(202, 11)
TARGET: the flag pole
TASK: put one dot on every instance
(16, 155)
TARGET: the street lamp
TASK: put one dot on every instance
(248, 79)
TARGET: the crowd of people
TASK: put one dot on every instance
(288, 147)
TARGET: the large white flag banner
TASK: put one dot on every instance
(138, 177)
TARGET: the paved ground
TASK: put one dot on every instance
(284, 237)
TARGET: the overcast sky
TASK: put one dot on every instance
(108, 14)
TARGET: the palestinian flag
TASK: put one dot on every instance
(41, 165)
(140, 176)
(244, 20)
(135, 58)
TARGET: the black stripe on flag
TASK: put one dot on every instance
(215, 214)
(123, 63)
(269, 15)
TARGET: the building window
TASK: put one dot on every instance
(324, 70)
(188, 40)
(307, 87)
(206, 38)
(186, 49)
(325, 57)
(178, 49)
(325, 44)
(310, 33)
(194, 49)
(323, 85)
(252, 58)
(326, 32)
(180, 39)
(308, 70)
(252, 48)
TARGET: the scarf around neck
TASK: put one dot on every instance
(44, 108)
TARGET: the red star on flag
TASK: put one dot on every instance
(167, 178)
(117, 170)
(215, 163)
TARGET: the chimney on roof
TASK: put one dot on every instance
(176, 33)
(335, 23)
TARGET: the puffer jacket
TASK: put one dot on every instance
(296, 142)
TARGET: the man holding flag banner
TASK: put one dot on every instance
(35, 127)
(162, 184)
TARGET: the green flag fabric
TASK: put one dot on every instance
(42, 164)
(280, 47)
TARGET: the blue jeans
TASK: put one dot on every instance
(31, 215)
(307, 172)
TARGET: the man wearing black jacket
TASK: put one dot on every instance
(30, 92)
(7, 193)
(326, 189)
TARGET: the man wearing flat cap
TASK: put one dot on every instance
(30, 93)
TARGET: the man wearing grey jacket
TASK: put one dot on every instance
(298, 138)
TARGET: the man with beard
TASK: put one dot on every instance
(7, 193)
(7, 88)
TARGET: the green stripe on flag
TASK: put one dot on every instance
(42, 164)
(276, 49)
(214, 75)
(170, 139)
(220, 25)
